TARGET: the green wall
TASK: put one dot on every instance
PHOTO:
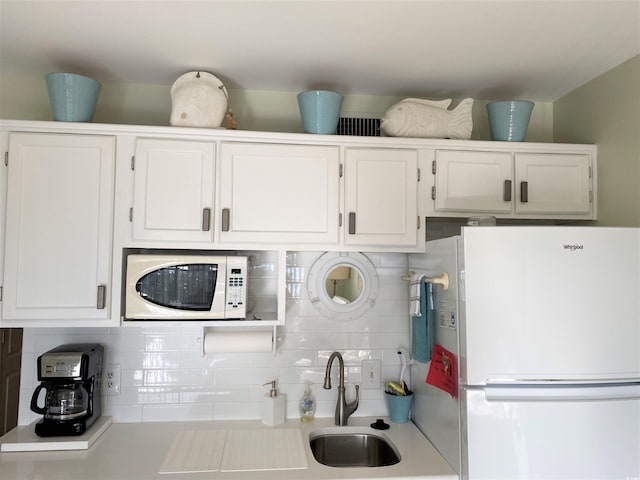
(606, 111)
(258, 110)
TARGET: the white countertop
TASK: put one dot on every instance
(138, 451)
(24, 439)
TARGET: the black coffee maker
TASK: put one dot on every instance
(71, 376)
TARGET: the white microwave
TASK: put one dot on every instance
(185, 287)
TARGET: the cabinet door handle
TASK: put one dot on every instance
(524, 192)
(102, 295)
(352, 223)
(506, 192)
(206, 219)
(225, 219)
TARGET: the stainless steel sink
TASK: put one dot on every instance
(352, 447)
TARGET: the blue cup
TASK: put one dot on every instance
(73, 97)
(320, 111)
(509, 120)
(399, 407)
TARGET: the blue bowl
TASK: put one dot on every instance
(509, 120)
(320, 111)
(73, 97)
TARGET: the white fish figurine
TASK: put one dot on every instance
(415, 117)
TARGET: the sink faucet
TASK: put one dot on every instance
(343, 409)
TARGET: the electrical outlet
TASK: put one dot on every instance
(371, 374)
(111, 379)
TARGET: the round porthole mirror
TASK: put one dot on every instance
(342, 285)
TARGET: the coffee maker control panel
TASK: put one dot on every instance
(76, 361)
(61, 366)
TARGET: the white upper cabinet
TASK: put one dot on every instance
(473, 181)
(553, 183)
(173, 190)
(381, 197)
(279, 194)
(514, 184)
(59, 220)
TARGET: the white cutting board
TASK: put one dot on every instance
(24, 439)
(194, 451)
(265, 449)
(235, 451)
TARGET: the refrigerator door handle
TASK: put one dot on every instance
(539, 392)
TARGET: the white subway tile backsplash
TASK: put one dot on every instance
(132, 378)
(176, 413)
(237, 411)
(167, 342)
(130, 414)
(165, 377)
(212, 395)
(243, 376)
(298, 376)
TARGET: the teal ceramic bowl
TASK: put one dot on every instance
(320, 111)
(73, 97)
(509, 120)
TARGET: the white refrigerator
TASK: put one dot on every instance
(544, 323)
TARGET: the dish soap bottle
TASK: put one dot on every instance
(307, 404)
(273, 406)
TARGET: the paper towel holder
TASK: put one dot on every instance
(207, 329)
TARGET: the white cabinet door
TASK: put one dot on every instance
(173, 190)
(279, 193)
(553, 183)
(471, 181)
(59, 229)
(381, 197)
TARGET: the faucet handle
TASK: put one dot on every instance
(350, 408)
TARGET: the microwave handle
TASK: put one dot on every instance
(206, 219)
(102, 295)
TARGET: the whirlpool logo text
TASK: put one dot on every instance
(573, 247)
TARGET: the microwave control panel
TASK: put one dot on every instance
(236, 287)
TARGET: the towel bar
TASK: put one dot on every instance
(441, 280)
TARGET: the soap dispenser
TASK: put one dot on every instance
(307, 404)
(273, 406)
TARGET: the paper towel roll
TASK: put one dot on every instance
(222, 342)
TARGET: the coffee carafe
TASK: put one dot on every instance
(70, 377)
(62, 401)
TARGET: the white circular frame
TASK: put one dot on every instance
(317, 278)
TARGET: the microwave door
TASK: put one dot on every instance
(181, 290)
(187, 287)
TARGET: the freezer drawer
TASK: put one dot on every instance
(551, 439)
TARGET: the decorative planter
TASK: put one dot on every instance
(320, 111)
(73, 97)
(509, 120)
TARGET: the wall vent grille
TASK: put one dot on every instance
(363, 127)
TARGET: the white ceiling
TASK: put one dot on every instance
(537, 50)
